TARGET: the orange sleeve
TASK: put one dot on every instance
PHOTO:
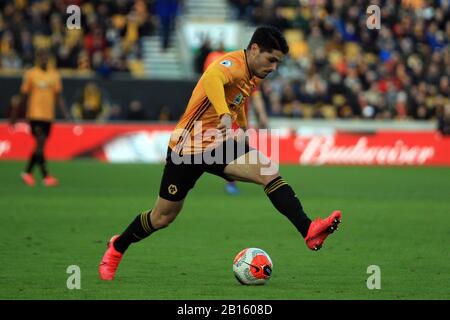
(25, 88)
(213, 82)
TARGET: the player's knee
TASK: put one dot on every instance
(39, 155)
(164, 219)
(266, 179)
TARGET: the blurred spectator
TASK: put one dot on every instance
(165, 114)
(110, 34)
(201, 55)
(444, 120)
(398, 72)
(290, 103)
(240, 8)
(115, 113)
(136, 112)
(18, 106)
(213, 55)
(167, 11)
(91, 103)
(268, 12)
(8, 54)
(95, 42)
(26, 49)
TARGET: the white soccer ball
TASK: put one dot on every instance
(252, 266)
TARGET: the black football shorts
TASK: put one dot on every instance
(40, 128)
(181, 172)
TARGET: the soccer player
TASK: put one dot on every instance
(256, 101)
(42, 86)
(216, 102)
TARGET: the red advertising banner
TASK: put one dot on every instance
(148, 143)
(380, 148)
(69, 141)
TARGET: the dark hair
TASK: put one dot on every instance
(269, 38)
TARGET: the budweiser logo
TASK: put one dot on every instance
(322, 150)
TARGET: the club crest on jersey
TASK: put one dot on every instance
(226, 63)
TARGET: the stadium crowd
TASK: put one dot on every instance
(108, 40)
(338, 67)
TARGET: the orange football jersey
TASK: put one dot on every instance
(201, 116)
(41, 86)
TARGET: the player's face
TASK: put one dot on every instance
(263, 63)
(43, 60)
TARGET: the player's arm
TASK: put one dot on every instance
(25, 89)
(242, 120)
(243, 125)
(214, 81)
(13, 115)
(15, 108)
(260, 110)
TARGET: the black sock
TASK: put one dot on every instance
(42, 165)
(284, 200)
(31, 163)
(139, 229)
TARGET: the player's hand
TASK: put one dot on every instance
(224, 126)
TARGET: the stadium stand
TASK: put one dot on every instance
(337, 67)
(108, 41)
(340, 68)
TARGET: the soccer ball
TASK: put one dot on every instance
(252, 266)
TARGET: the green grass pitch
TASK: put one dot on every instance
(395, 218)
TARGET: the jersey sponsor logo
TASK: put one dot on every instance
(238, 99)
(226, 63)
(172, 189)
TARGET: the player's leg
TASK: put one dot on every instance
(32, 161)
(40, 131)
(27, 175)
(48, 179)
(176, 182)
(249, 167)
(254, 167)
(41, 139)
(146, 223)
